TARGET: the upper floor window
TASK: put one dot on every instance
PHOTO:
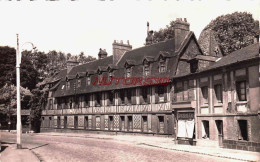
(110, 75)
(218, 93)
(193, 66)
(161, 91)
(111, 98)
(162, 65)
(122, 96)
(128, 72)
(241, 90)
(98, 99)
(144, 92)
(204, 91)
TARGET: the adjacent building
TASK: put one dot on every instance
(168, 88)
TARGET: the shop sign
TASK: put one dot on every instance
(185, 115)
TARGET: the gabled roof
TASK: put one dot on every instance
(150, 50)
(81, 74)
(130, 62)
(102, 68)
(148, 58)
(70, 77)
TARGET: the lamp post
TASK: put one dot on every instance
(19, 123)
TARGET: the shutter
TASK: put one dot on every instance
(156, 94)
(149, 94)
(165, 93)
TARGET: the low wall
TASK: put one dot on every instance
(241, 145)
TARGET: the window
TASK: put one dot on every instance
(88, 80)
(68, 85)
(98, 99)
(110, 98)
(242, 130)
(162, 66)
(128, 72)
(98, 125)
(218, 93)
(241, 90)
(146, 69)
(205, 129)
(161, 93)
(204, 91)
(62, 87)
(110, 75)
(193, 66)
(145, 94)
(79, 83)
(87, 100)
(129, 96)
(122, 96)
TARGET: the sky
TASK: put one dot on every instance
(85, 26)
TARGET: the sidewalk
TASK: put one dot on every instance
(11, 154)
(168, 143)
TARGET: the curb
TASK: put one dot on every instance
(151, 145)
(196, 152)
(37, 155)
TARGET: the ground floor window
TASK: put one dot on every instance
(65, 121)
(58, 121)
(205, 129)
(242, 130)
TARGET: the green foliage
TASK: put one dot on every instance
(164, 34)
(234, 31)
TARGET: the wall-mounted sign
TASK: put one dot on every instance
(185, 115)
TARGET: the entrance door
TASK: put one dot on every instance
(161, 124)
(86, 122)
(130, 123)
(122, 123)
(110, 123)
(58, 122)
(65, 122)
(219, 124)
(75, 122)
(144, 123)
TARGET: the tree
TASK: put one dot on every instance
(232, 31)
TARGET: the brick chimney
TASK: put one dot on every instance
(71, 64)
(181, 29)
(102, 53)
(119, 48)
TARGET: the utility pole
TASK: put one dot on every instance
(19, 123)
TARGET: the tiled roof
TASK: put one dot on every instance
(150, 50)
(91, 66)
(249, 52)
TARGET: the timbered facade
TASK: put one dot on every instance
(168, 88)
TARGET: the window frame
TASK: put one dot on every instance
(238, 90)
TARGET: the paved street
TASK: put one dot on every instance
(62, 148)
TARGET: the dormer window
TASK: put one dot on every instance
(162, 65)
(110, 74)
(79, 82)
(68, 85)
(146, 68)
(128, 72)
(193, 66)
(88, 80)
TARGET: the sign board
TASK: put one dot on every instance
(185, 115)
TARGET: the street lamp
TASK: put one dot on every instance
(18, 63)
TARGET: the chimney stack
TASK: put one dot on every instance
(102, 53)
(119, 49)
(181, 29)
(70, 64)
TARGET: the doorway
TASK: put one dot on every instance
(219, 124)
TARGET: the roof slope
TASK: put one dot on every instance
(152, 51)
